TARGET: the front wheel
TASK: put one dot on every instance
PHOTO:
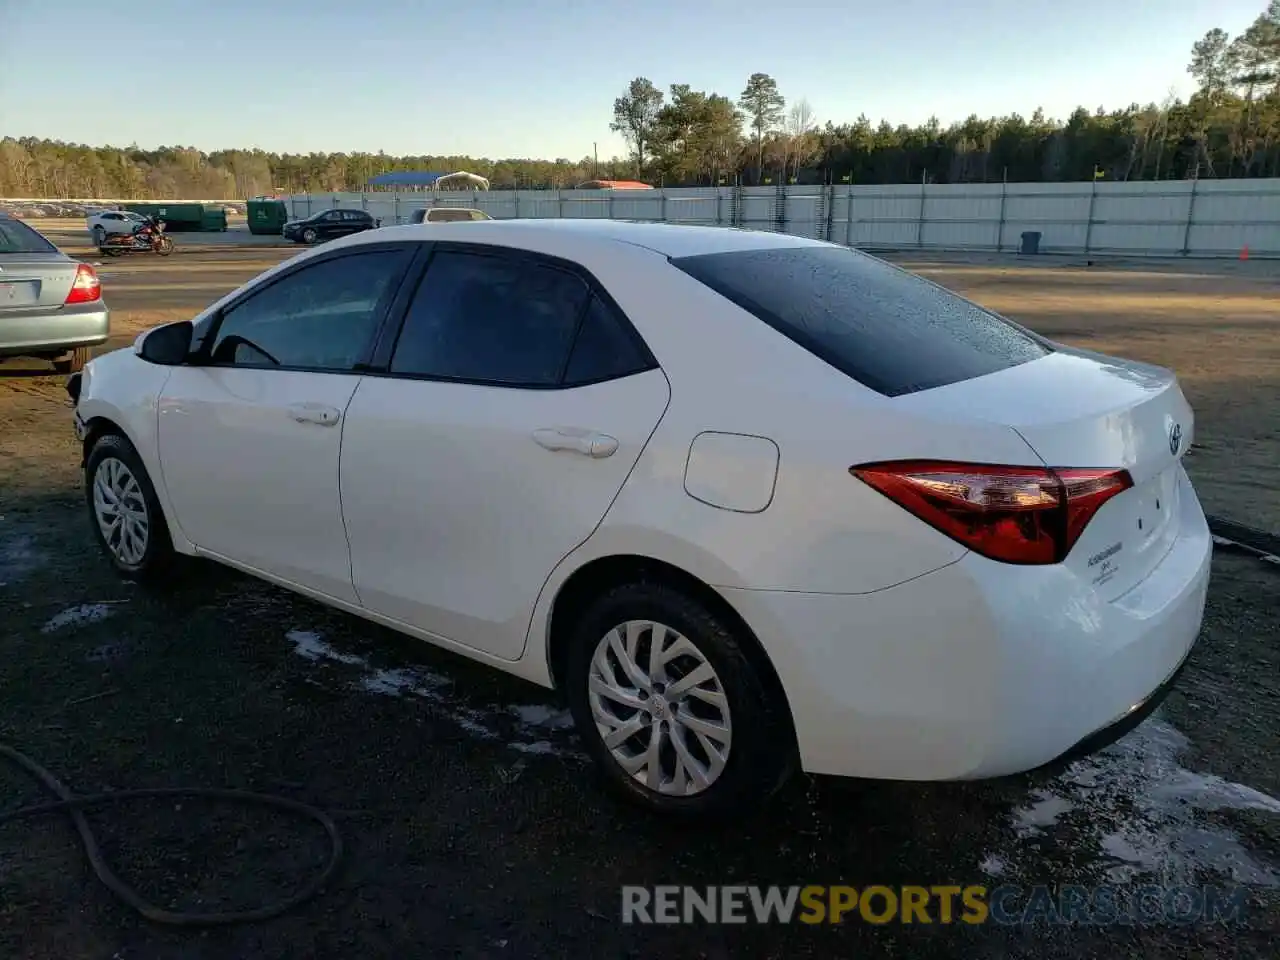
(128, 522)
(673, 707)
(310, 236)
(164, 246)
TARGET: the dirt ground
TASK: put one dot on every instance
(472, 825)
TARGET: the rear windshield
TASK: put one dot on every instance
(888, 329)
(17, 237)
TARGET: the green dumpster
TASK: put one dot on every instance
(179, 217)
(267, 216)
(214, 219)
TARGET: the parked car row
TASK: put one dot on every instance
(330, 224)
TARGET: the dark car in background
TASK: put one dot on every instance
(51, 306)
(327, 225)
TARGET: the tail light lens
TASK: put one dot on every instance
(86, 287)
(1024, 515)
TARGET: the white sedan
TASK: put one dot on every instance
(750, 502)
(107, 223)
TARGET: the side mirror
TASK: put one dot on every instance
(168, 346)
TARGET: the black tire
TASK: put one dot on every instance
(73, 362)
(310, 236)
(159, 562)
(164, 246)
(762, 752)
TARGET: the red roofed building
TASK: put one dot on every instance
(613, 185)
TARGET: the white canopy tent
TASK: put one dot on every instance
(461, 181)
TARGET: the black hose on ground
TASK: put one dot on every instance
(71, 804)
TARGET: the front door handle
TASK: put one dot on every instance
(576, 440)
(319, 413)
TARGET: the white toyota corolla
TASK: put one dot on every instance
(750, 502)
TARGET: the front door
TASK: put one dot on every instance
(249, 439)
(494, 446)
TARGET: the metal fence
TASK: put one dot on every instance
(1196, 218)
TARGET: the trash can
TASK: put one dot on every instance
(213, 219)
(267, 216)
(177, 216)
(1030, 243)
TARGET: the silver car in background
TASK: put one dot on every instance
(51, 306)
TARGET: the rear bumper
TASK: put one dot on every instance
(1101, 739)
(54, 331)
(980, 670)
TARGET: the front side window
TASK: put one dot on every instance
(491, 319)
(321, 317)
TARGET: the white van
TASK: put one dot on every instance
(447, 215)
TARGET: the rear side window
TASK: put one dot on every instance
(490, 319)
(888, 329)
(16, 237)
(605, 348)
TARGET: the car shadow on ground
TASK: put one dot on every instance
(24, 369)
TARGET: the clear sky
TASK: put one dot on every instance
(537, 78)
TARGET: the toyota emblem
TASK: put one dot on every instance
(1175, 438)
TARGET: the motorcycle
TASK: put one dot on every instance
(147, 237)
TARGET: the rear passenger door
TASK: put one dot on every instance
(353, 221)
(511, 409)
(331, 225)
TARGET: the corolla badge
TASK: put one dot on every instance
(1175, 438)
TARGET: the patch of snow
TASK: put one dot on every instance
(311, 645)
(78, 616)
(1045, 811)
(544, 747)
(992, 865)
(471, 721)
(417, 682)
(542, 716)
(1143, 809)
(390, 682)
(18, 558)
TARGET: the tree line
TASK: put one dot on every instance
(1229, 127)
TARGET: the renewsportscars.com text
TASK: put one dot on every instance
(938, 904)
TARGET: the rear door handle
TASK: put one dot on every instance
(576, 440)
(319, 413)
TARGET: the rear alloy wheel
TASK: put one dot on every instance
(73, 362)
(672, 707)
(309, 235)
(128, 522)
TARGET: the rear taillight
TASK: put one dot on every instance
(86, 287)
(1012, 514)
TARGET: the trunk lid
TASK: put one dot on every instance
(1075, 408)
(35, 280)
